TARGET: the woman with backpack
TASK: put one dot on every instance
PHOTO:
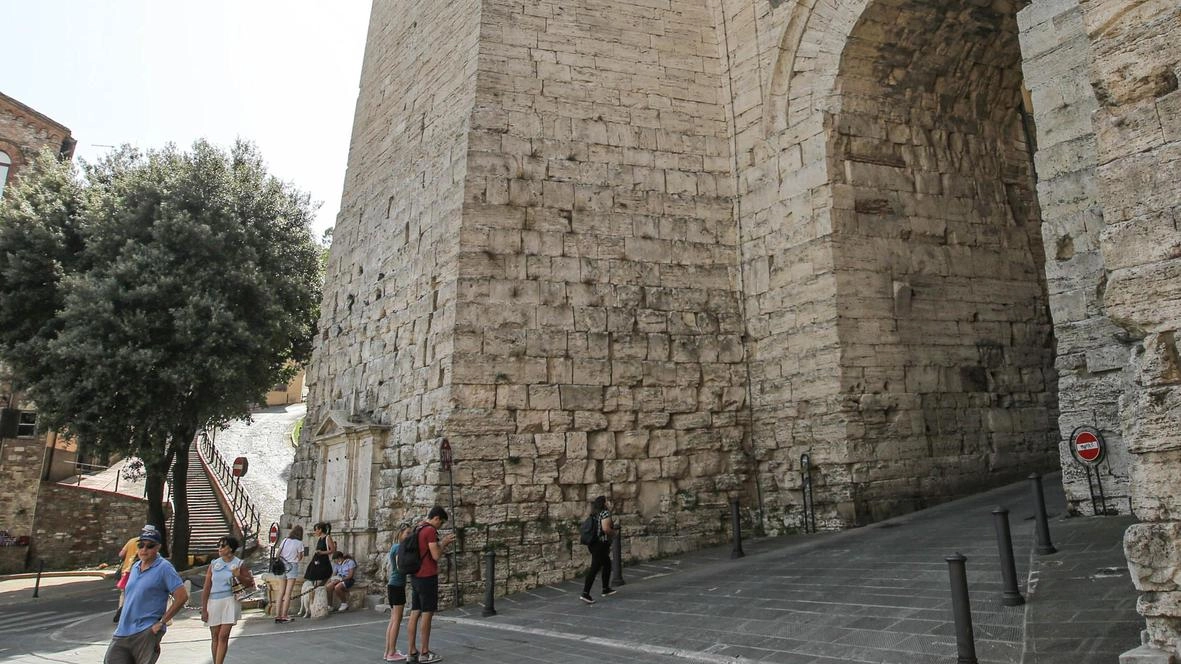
(396, 594)
(597, 533)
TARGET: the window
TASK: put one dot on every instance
(5, 166)
(26, 427)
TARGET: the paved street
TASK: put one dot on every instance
(876, 594)
(266, 443)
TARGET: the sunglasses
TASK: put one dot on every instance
(146, 545)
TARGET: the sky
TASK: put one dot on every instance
(282, 74)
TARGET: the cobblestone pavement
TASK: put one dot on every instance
(266, 443)
(875, 594)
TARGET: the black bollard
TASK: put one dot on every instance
(736, 528)
(1004, 544)
(965, 641)
(37, 584)
(489, 583)
(617, 560)
(1044, 546)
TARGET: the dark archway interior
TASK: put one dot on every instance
(947, 343)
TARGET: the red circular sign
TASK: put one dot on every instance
(1087, 444)
(240, 466)
(274, 534)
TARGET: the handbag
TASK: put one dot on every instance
(244, 585)
(278, 567)
(319, 569)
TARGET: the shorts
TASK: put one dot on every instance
(224, 611)
(396, 595)
(426, 594)
(141, 648)
(348, 583)
(292, 570)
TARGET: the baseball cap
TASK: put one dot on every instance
(150, 533)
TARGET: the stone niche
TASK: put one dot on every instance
(347, 460)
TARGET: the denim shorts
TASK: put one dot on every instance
(292, 570)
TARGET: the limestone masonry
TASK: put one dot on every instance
(660, 249)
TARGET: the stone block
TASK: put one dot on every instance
(581, 397)
(1147, 655)
(1154, 556)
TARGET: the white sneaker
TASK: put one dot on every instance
(344, 606)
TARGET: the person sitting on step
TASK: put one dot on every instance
(343, 570)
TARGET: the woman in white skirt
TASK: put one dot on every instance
(219, 608)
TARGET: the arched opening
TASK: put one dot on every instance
(947, 350)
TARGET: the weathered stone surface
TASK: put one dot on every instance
(1136, 59)
(1153, 556)
(660, 250)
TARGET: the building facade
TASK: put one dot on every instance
(660, 250)
(23, 133)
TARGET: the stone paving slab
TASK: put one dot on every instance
(1083, 605)
(265, 441)
(875, 594)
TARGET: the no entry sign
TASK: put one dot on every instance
(1087, 446)
(240, 466)
(273, 535)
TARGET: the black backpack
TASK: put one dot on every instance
(409, 558)
(588, 533)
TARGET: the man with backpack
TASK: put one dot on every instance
(596, 533)
(418, 558)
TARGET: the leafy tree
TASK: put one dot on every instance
(153, 294)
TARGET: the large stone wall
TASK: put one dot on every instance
(598, 330)
(1092, 350)
(1135, 69)
(658, 249)
(20, 475)
(64, 541)
(388, 314)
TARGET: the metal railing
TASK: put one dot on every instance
(244, 512)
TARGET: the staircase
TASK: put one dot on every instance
(207, 520)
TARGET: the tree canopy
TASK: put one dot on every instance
(153, 294)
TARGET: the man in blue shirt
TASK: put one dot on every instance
(145, 604)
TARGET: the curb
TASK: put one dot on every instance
(100, 574)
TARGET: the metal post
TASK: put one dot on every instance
(1044, 546)
(806, 493)
(1102, 496)
(736, 529)
(965, 641)
(617, 559)
(458, 543)
(1004, 544)
(40, 569)
(489, 583)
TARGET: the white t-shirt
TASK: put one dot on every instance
(290, 550)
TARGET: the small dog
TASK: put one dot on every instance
(313, 601)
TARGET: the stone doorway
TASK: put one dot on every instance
(947, 352)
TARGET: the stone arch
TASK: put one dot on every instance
(777, 110)
(947, 353)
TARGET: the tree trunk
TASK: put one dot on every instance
(156, 474)
(181, 442)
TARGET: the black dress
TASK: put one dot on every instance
(320, 568)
